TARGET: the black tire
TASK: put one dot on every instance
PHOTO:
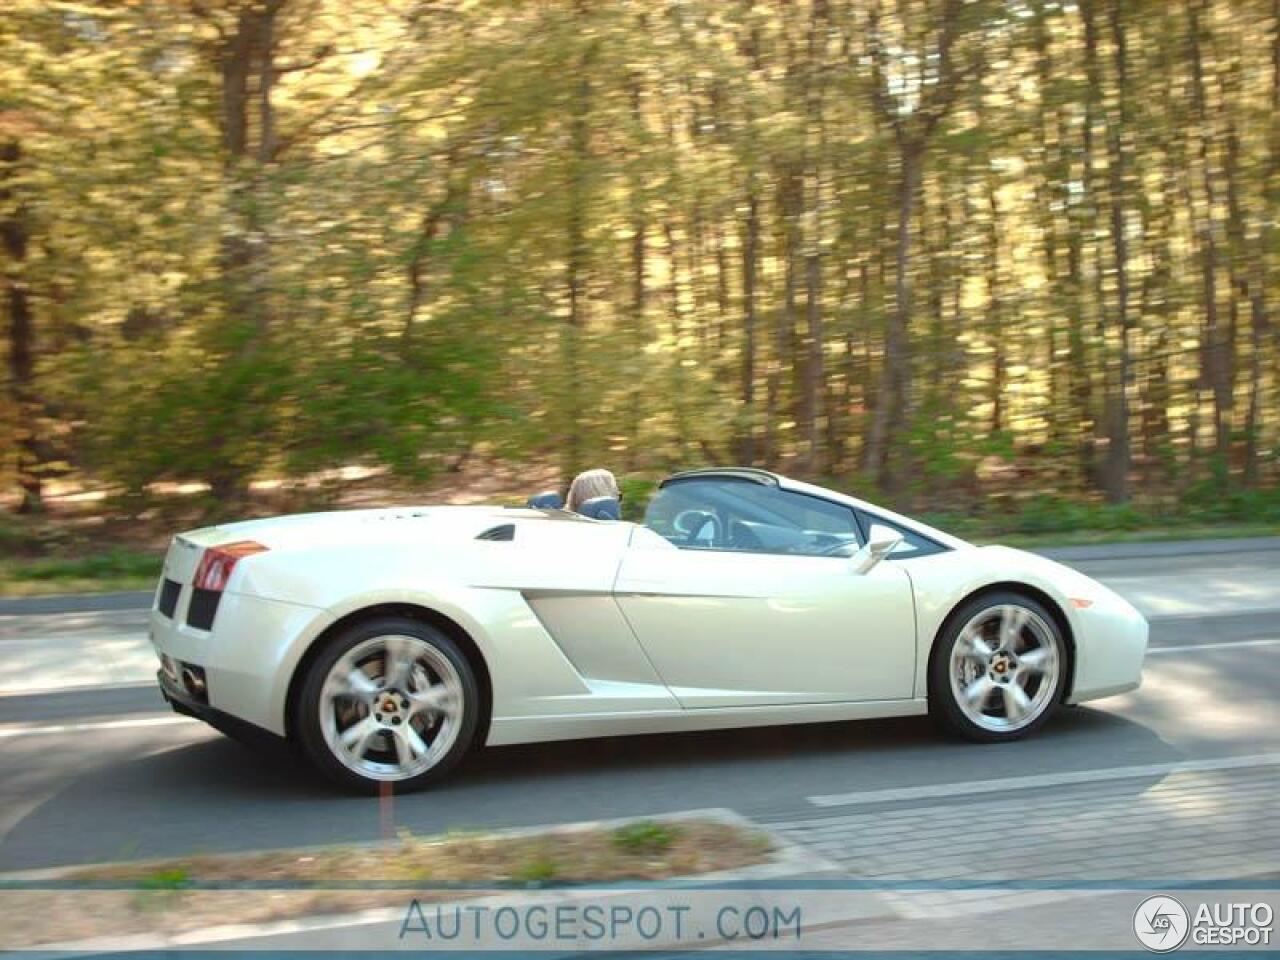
(306, 718)
(943, 705)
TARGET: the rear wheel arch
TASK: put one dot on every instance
(413, 611)
(1033, 593)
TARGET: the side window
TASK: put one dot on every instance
(734, 514)
(913, 544)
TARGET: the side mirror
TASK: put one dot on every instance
(881, 541)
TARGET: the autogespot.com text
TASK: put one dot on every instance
(602, 922)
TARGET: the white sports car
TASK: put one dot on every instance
(387, 643)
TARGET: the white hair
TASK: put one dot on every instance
(589, 485)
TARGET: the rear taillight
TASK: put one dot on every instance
(217, 563)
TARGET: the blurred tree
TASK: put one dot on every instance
(949, 249)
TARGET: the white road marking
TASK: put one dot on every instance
(966, 788)
(1216, 646)
(30, 730)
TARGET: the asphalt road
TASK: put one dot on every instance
(102, 772)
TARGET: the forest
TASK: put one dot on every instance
(1012, 257)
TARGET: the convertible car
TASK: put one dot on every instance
(387, 643)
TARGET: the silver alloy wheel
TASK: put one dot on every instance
(1004, 668)
(391, 707)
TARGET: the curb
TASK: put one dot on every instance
(76, 603)
(1145, 550)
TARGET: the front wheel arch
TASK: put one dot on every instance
(414, 612)
(1026, 590)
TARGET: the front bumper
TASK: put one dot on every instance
(1111, 645)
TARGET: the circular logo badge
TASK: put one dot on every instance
(1161, 923)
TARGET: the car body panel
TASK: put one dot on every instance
(730, 629)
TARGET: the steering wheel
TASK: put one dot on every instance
(701, 528)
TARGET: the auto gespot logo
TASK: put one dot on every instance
(1161, 924)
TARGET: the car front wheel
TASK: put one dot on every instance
(999, 668)
(388, 700)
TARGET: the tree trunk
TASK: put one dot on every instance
(995, 310)
(15, 233)
(814, 375)
(895, 383)
(1118, 440)
(1094, 98)
(747, 380)
(575, 261)
(246, 51)
(785, 352)
(1259, 316)
(1215, 348)
(638, 268)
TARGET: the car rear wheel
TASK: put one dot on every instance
(388, 701)
(999, 668)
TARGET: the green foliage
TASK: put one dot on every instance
(522, 232)
(645, 837)
(176, 878)
(1208, 503)
(113, 564)
(536, 871)
(637, 490)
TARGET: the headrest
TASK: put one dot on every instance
(547, 500)
(602, 508)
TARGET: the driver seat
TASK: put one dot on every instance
(601, 508)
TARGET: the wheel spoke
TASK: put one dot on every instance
(398, 662)
(977, 647)
(1036, 660)
(357, 737)
(355, 683)
(437, 698)
(1012, 620)
(977, 691)
(417, 746)
(1016, 702)
(404, 753)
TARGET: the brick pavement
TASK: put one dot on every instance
(1186, 827)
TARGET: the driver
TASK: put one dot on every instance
(589, 485)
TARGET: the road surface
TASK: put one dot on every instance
(94, 768)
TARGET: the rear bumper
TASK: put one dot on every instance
(247, 658)
(184, 703)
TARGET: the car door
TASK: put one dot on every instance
(751, 609)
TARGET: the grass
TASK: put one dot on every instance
(173, 878)
(111, 570)
(537, 871)
(646, 836)
(191, 893)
